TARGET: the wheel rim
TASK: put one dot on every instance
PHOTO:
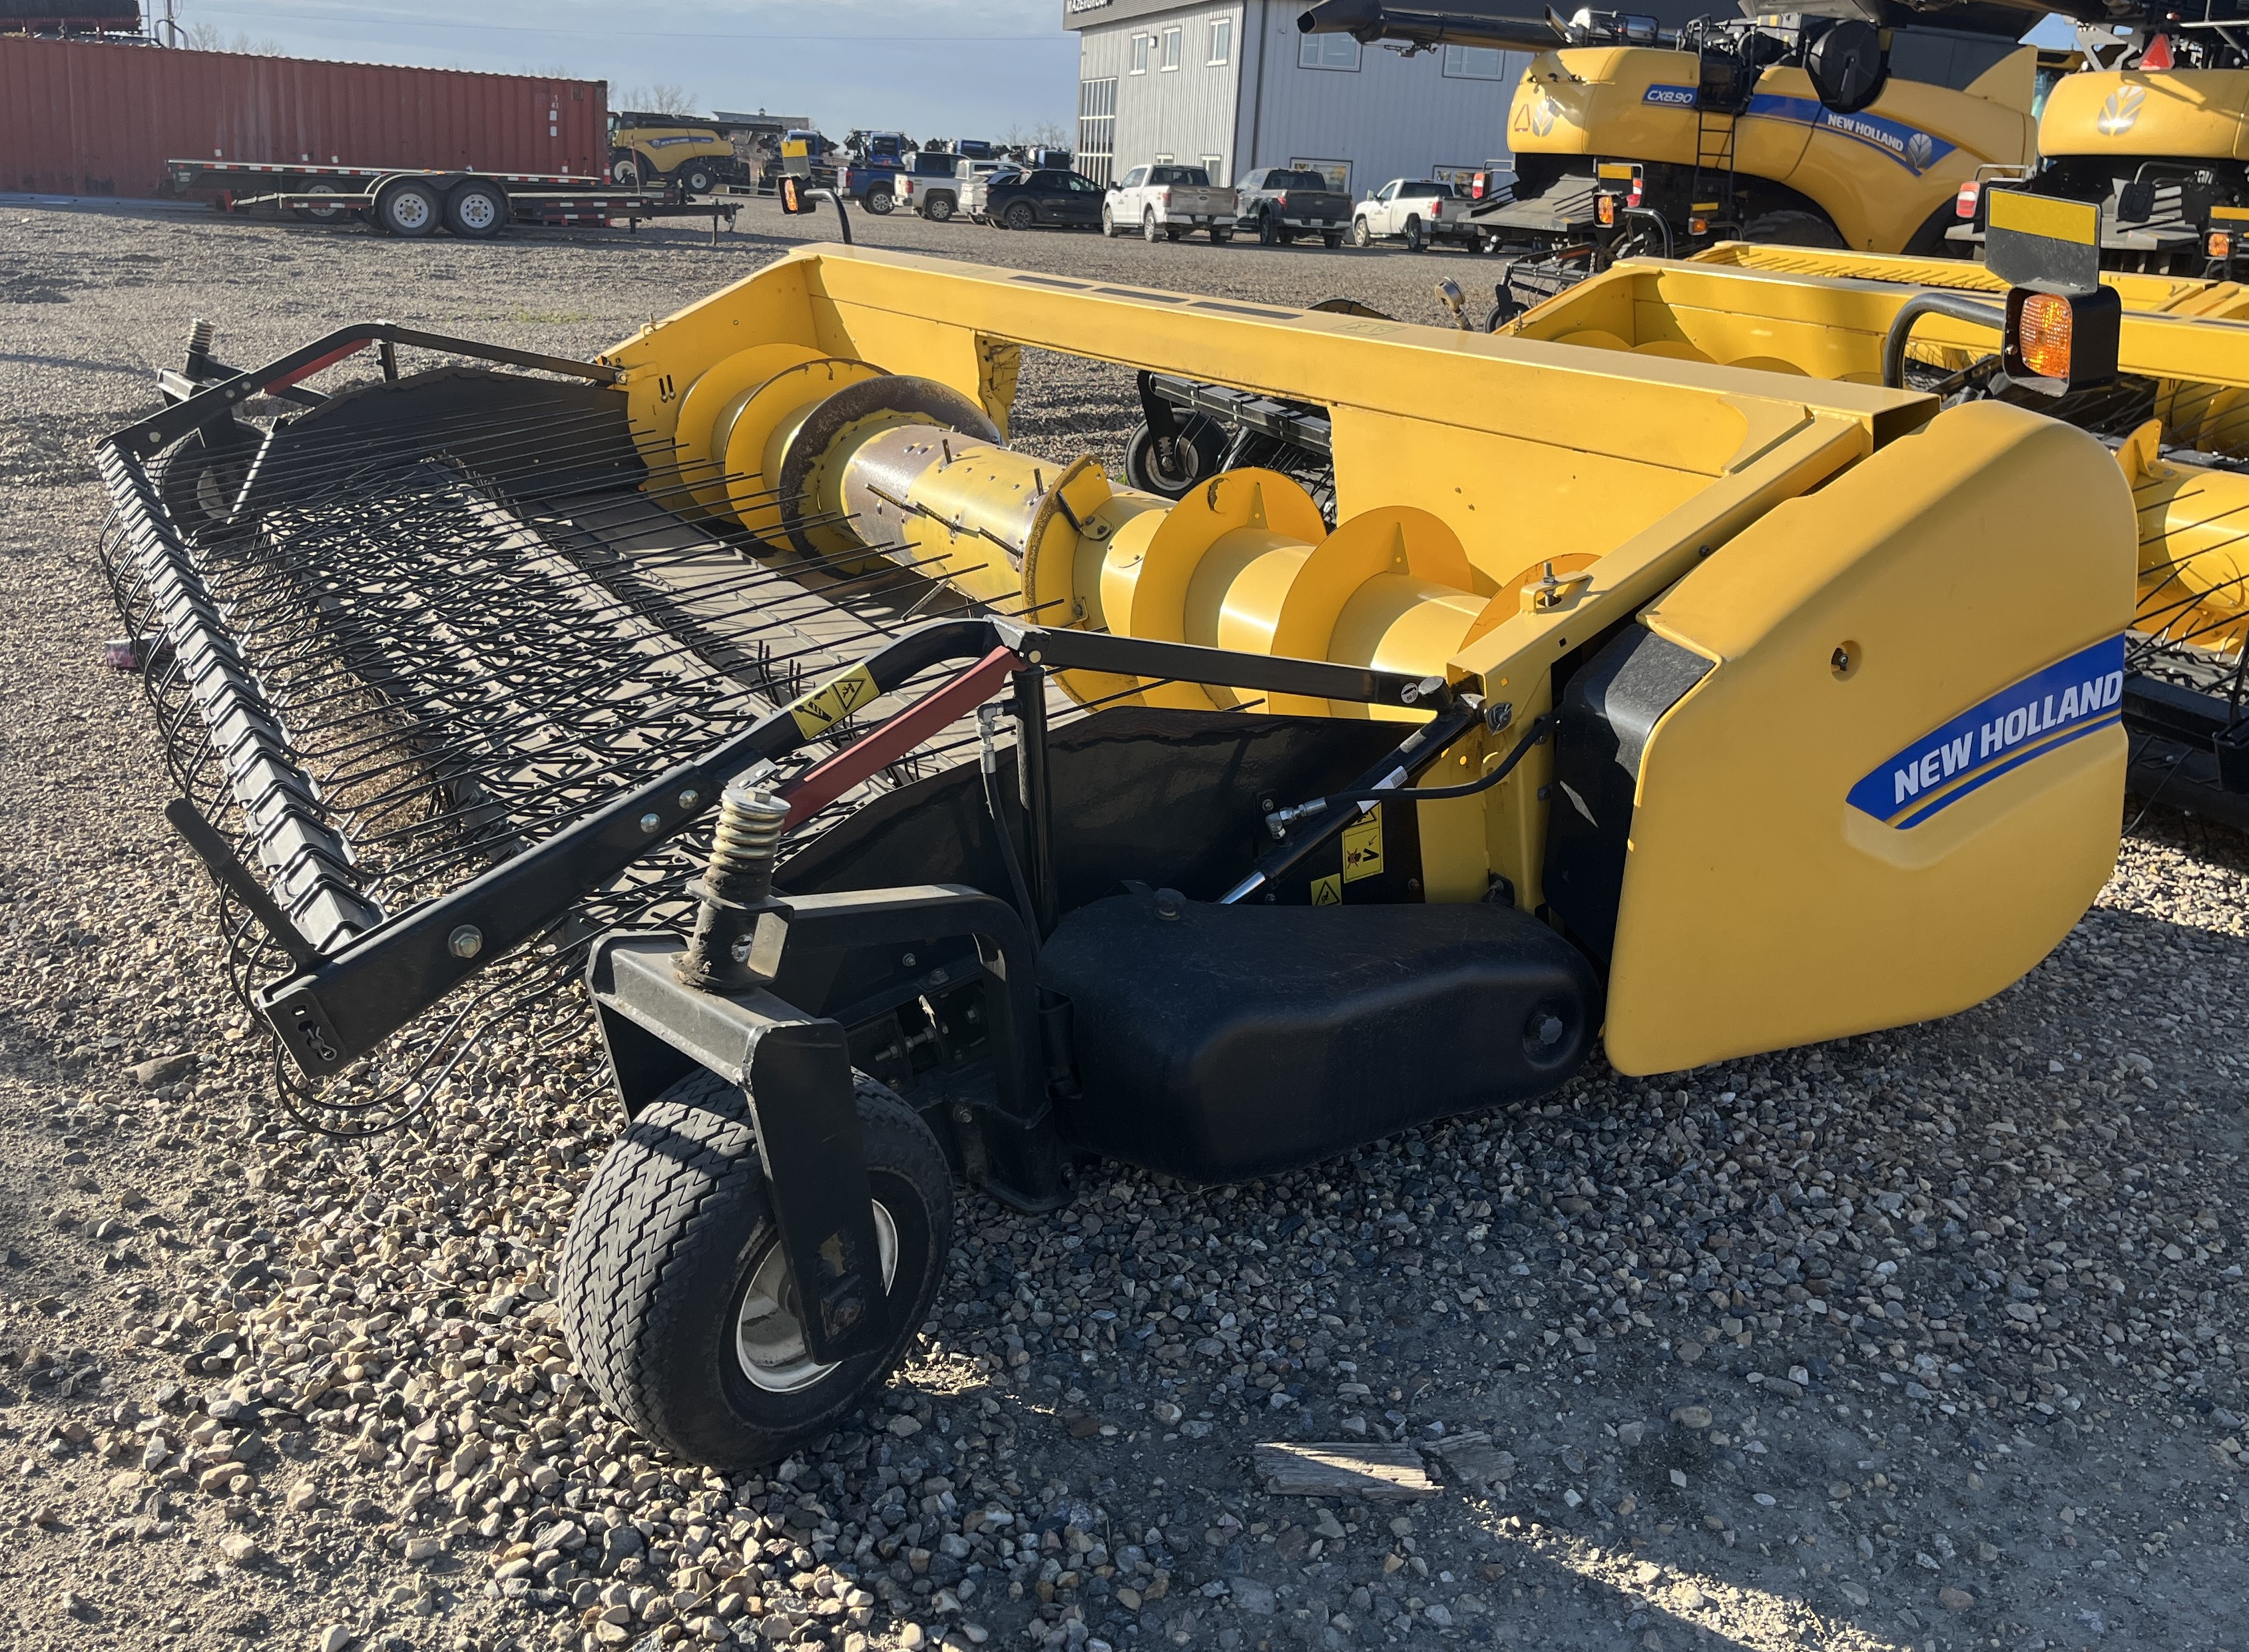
(769, 1342)
(1019, 217)
(478, 210)
(322, 212)
(409, 210)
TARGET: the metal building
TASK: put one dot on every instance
(1234, 85)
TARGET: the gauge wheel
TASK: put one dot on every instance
(410, 207)
(1196, 456)
(475, 210)
(202, 476)
(675, 1296)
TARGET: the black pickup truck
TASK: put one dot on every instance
(1280, 204)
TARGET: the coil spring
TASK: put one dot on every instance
(743, 843)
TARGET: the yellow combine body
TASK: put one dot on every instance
(1879, 180)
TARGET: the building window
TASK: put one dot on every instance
(1222, 40)
(1326, 51)
(1140, 44)
(1215, 165)
(1172, 40)
(1165, 159)
(1097, 128)
(1337, 173)
(1474, 63)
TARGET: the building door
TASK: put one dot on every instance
(1096, 129)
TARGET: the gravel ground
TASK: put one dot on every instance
(1933, 1339)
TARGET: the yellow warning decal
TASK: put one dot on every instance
(1616, 169)
(2078, 221)
(1328, 891)
(1362, 846)
(834, 700)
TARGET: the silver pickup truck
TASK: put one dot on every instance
(1166, 201)
(1280, 204)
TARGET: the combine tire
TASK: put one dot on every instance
(698, 179)
(1360, 235)
(674, 1295)
(410, 208)
(475, 210)
(1414, 239)
(881, 202)
(1195, 458)
(1022, 214)
(939, 209)
(1792, 228)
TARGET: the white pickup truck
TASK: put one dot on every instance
(1166, 202)
(1415, 210)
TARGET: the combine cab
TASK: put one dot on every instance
(911, 808)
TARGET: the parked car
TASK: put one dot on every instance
(1046, 195)
(929, 183)
(1415, 211)
(1168, 202)
(1282, 204)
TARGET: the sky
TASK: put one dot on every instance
(929, 68)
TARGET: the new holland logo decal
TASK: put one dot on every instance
(2046, 710)
(2122, 109)
(1912, 148)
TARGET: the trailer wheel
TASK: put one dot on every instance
(319, 214)
(476, 209)
(409, 207)
(675, 1301)
(939, 209)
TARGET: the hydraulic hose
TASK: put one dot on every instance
(1931, 303)
(1532, 737)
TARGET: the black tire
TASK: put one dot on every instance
(939, 208)
(697, 178)
(1414, 239)
(1288, 236)
(319, 214)
(1022, 214)
(1151, 231)
(1360, 235)
(475, 210)
(1790, 228)
(203, 475)
(881, 202)
(1195, 459)
(410, 207)
(1331, 238)
(1268, 233)
(1220, 236)
(666, 1242)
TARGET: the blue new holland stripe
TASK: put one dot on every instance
(1911, 148)
(2043, 712)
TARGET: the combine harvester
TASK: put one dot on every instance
(1695, 709)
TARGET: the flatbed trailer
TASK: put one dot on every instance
(413, 201)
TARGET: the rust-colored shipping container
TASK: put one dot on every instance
(81, 118)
